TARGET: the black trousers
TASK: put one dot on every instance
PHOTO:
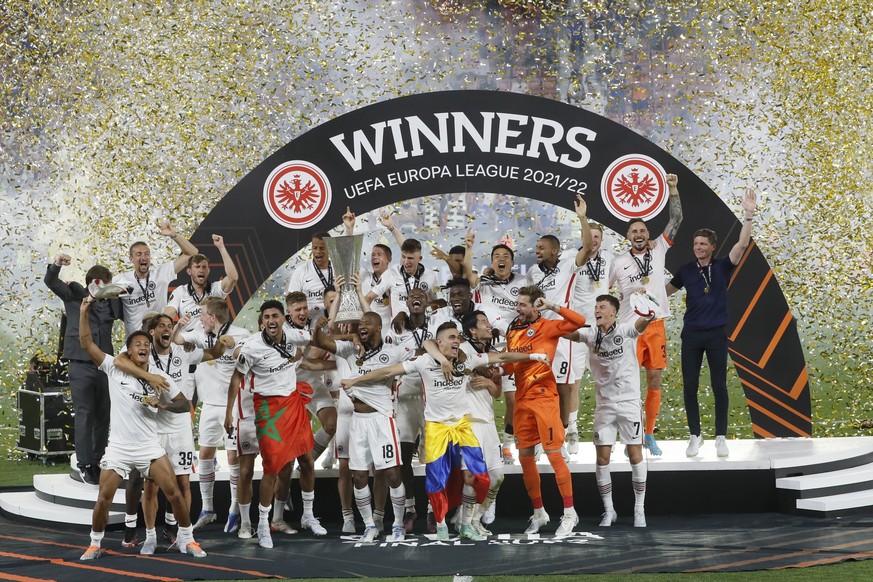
(89, 388)
(712, 342)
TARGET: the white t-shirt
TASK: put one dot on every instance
(445, 401)
(380, 305)
(480, 400)
(627, 274)
(592, 279)
(444, 314)
(176, 365)
(378, 395)
(558, 284)
(411, 341)
(500, 296)
(397, 284)
(613, 362)
(308, 279)
(132, 424)
(149, 294)
(213, 377)
(185, 302)
(273, 372)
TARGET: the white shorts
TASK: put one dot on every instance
(564, 368)
(409, 412)
(179, 447)
(624, 419)
(321, 398)
(373, 441)
(580, 359)
(124, 459)
(246, 436)
(344, 410)
(492, 449)
(210, 431)
(332, 382)
(507, 383)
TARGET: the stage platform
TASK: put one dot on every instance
(815, 477)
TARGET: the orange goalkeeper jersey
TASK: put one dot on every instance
(535, 379)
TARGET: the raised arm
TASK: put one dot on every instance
(467, 264)
(321, 339)
(85, 340)
(750, 203)
(674, 207)
(587, 241)
(508, 357)
(385, 220)
(231, 276)
(53, 281)
(187, 249)
(349, 221)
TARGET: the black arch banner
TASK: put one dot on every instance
(482, 141)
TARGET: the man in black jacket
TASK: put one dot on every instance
(88, 385)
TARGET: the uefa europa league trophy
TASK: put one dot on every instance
(345, 255)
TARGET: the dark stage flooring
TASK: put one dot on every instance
(720, 543)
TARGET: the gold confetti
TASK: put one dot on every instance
(117, 114)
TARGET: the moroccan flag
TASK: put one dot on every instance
(284, 432)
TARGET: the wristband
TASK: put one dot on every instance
(538, 357)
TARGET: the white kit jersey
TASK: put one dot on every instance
(481, 401)
(176, 365)
(272, 366)
(398, 284)
(502, 296)
(378, 395)
(148, 294)
(186, 302)
(131, 423)
(627, 273)
(557, 284)
(592, 279)
(613, 361)
(312, 281)
(379, 305)
(445, 401)
(497, 320)
(213, 377)
(411, 341)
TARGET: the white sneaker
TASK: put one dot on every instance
(398, 533)
(371, 532)
(639, 518)
(537, 520)
(245, 532)
(455, 520)
(572, 442)
(265, 540)
(490, 513)
(568, 522)
(608, 518)
(282, 526)
(149, 546)
(479, 528)
(721, 448)
(349, 527)
(311, 522)
(538, 452)
(329, 459)
(694, 444)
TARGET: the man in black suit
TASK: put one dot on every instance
(88, 385)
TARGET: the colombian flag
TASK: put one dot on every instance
(445, 447)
